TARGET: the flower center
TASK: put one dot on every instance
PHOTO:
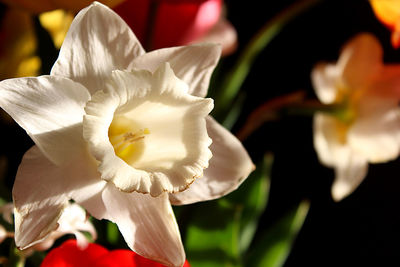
(127, 138)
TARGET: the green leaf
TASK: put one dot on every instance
(252, 195)
(112, 233)
(212, 236)
(275, 244)
(220, 231)
(234, 112)
(234, 79)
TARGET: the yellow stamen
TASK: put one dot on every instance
(127, 139)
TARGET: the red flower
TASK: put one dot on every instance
(69, 255)
(176, 22)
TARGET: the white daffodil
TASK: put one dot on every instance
(122, 133)
(366, 125)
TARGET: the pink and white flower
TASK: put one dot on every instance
(365, 127)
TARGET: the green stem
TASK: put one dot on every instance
(235, 78)
(293, 104)
(16, 258)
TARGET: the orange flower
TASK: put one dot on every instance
(388, 12)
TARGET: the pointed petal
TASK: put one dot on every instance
(193, 64)
(97, 42)
(350, 171)
(42, 190)
(360, 59)
(147, 224)
(50, 109)
(229, 167)
(37, 209)
(333, 150)
(325, 78)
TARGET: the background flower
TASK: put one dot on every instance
(159, 24)
(70, 254)
(388, 12)
(366, 125)
(18, 45)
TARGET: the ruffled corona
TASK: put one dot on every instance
(148, 134)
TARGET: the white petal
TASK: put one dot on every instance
(175, 150)
(74, 219)
(327, 139)
(193, 64)
(325, 79)
(350, 171)
(7, 210)
(42, 190)
(81, 240)
(50, 109)
(360, 59)
(37, 208)
(147, 224)
(334, 150)
(3, 233)
(229, 167)
(376, 133)
(97, 42)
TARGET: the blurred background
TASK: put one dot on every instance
(362, 229)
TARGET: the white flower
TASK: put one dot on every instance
(112, 121)
(73, 220)
(366, 126)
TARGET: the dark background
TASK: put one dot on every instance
(363, 229)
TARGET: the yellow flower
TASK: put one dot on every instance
(18, 46)
(57, 23)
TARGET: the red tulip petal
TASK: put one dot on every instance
(117, 258)
(127, 258)
(69, 255)
(177, 22)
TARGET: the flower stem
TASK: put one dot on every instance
(16, 258)
(269, 111)
(293, 104)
